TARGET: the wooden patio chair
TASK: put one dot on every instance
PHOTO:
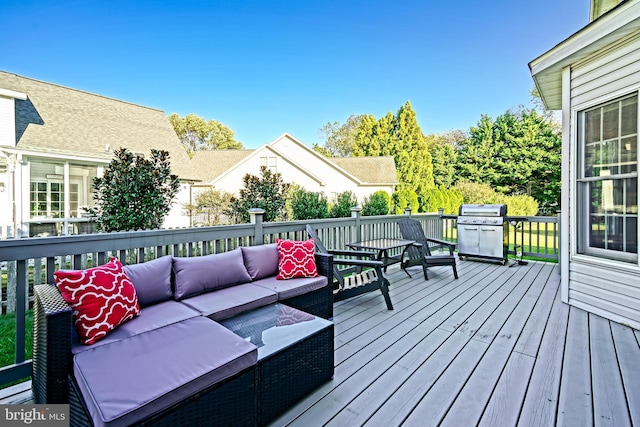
(419, 253)
(353, 280)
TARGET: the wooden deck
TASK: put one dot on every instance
(495, 348)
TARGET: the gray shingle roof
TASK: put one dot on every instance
(370, 170)
(57, 119)
(208, 165)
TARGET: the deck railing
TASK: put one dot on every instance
(29, 261)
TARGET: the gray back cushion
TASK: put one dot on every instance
(261, 261)
(200, 274)
(152, 280)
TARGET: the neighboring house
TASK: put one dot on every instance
(594, 78)
(298, 164)
(54, 140)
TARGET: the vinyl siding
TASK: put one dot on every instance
(608, 288)
(7, 122)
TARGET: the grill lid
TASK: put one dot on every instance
(483, 210)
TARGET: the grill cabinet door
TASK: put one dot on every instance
(491, 241)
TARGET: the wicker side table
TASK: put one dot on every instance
(295, 354)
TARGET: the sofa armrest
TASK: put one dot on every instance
(52, 327)
(324, 264)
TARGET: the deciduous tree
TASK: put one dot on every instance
(196, 133)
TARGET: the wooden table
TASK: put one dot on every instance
(383, 246)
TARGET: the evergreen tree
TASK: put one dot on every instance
(266, 192)
(134, 193)
(518, 153)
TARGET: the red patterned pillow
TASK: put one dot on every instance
(101, 298)
(296, 259)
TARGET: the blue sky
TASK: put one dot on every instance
(268, 67)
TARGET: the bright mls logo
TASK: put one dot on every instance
(35, 415)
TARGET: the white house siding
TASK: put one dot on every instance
(7, 122)
(334, 180)
(300, 165)
(176, 217)
(608, 288)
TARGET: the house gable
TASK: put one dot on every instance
(303, 166)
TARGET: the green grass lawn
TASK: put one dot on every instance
(8, 341)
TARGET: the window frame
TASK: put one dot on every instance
(583, 182)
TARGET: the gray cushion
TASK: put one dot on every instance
(292, 287)
(196, 275)
(152, 280)
(152, 317)
(261, 261)
(128, 380)
(229, 302)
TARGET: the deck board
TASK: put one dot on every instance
(628, 356)
(495, 348)
(487, 349)
(609, 402)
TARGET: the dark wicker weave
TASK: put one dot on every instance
(318, 302)
(52, 327)
(290, 374)
(232, 402)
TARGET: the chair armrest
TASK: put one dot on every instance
(443, 243)
(358, 262)
(354, 253)
(52, 362)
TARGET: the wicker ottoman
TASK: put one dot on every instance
(295, 354)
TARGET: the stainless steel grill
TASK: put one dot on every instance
(483, 232)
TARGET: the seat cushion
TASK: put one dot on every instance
(228, 302)
(152, 280)
(200, 274)
(292, 287)
(152, 317)
(261, 260)
(128, 380)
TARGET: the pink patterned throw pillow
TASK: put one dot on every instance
(101, 298)
(296, 259)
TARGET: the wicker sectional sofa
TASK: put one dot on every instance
(174, 363)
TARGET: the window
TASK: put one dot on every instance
(47, 199)
(608, 180)
(270, 162)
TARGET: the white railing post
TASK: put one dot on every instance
(256, 216)
(355, 214)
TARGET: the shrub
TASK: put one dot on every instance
(266, 192)
(449, 199)
(377, 204)
(475, 193)
(309, 205)
(343, 204)
(520, 205)
(134, 193)
(402, 199)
